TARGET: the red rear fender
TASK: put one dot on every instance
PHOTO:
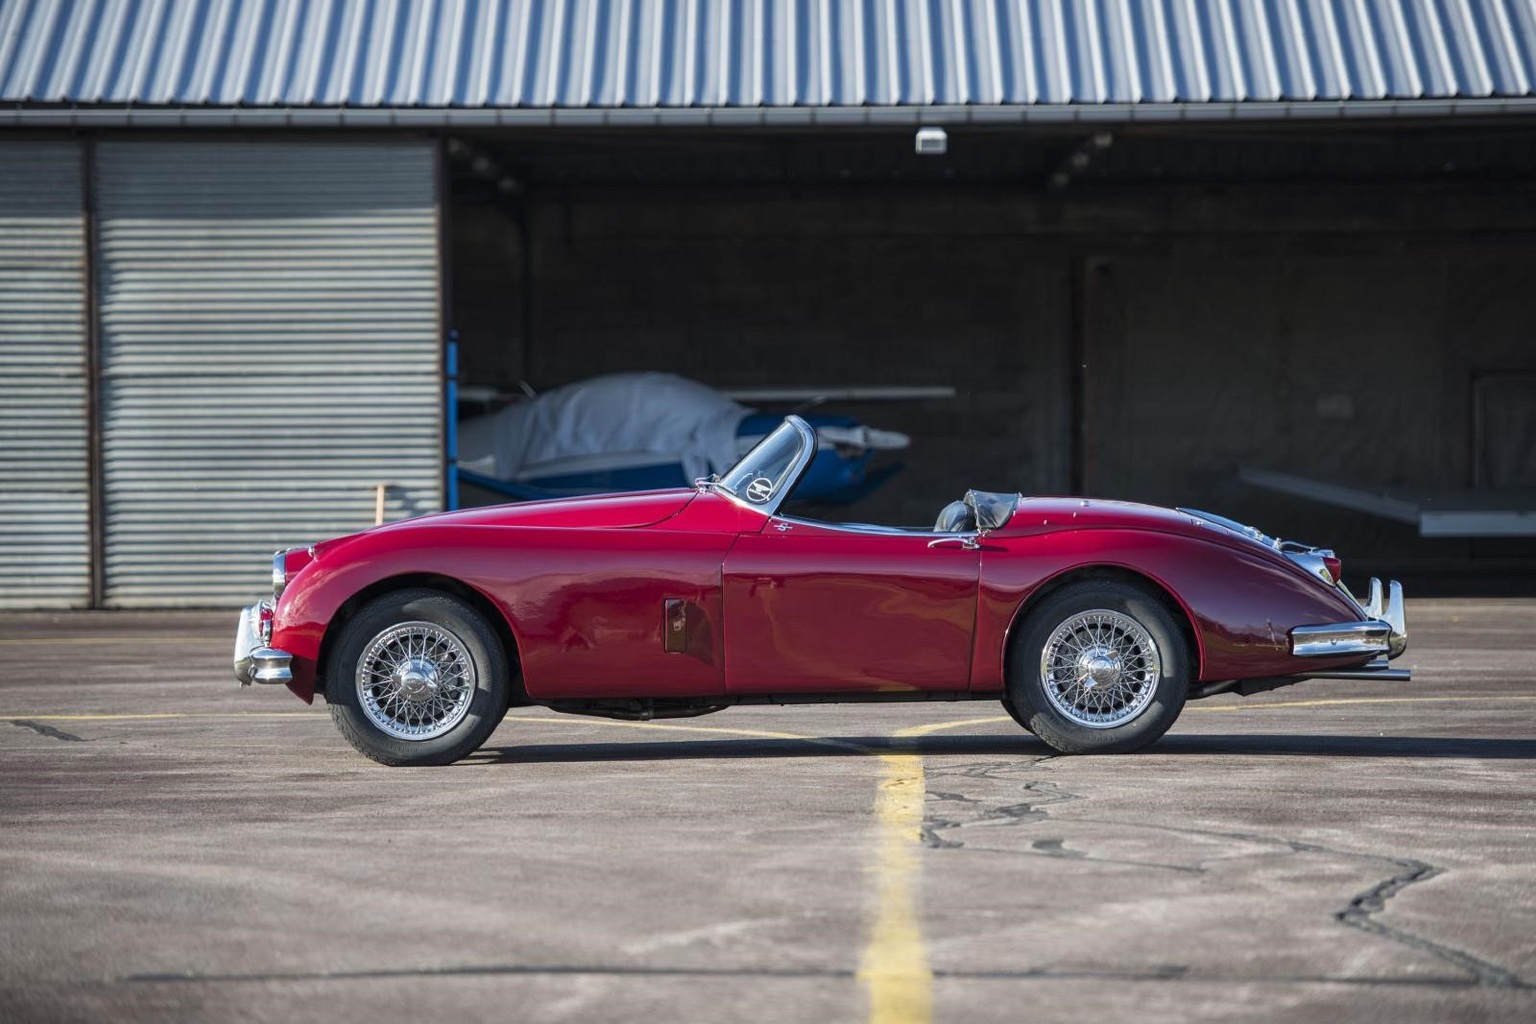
(1239, 608)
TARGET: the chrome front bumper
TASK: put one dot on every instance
(1383, 631)
(255, 661)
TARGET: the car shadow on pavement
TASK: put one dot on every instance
(1486, 748)
(1285, 744)
(811, 746)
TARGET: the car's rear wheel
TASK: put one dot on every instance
(417, 677)
(1100, 667)
(1013, 713)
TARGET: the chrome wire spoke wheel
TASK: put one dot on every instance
(415, 681)
(1100, 668)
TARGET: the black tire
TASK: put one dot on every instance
(1137, 710)
(474, 650)
(1013, 713)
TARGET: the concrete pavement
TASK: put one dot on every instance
(172, 848)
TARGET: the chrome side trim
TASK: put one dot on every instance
(1311, 562)
(1251, 532)
(865, 529)
(968, 541)
(1340, 638)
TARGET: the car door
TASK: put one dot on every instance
(814, 607)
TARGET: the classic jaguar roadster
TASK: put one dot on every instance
(1091, 621)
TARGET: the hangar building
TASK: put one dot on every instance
(1167, 242)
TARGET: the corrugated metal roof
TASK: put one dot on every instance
(764, 55)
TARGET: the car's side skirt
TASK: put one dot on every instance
(643, 709)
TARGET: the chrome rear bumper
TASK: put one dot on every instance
(255, 661)
(1384, 631)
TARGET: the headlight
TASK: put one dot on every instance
(286, 564)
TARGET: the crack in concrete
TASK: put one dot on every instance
(1362, 908)
(46, 730)
(1013, 814)
(1360, 913)
(1022, 813)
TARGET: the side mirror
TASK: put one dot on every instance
(993, 510)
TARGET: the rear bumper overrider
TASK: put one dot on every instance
(1381, 635)
(255, 660)
(1383, 630)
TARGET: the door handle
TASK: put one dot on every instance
(970, 542)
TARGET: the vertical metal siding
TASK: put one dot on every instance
(44, 483)
(270, 353)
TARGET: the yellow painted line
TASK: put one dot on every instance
(128, 639)
(933, 727)
(894, 965)
(894, 968)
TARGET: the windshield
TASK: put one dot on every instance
(765, 474)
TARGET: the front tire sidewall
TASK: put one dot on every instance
(1026, 689)
(488, 661)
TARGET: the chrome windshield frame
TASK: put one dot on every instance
(792, 477)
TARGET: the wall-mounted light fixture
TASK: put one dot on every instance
(931, 142)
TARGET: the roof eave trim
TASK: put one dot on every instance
(735, 117)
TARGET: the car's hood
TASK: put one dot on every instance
(602, 511)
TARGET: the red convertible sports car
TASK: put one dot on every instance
(1091, 621)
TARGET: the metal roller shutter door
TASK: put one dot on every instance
(270, 354)
(44, 475)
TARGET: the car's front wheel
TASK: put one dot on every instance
(417, 677)
(1100, 667)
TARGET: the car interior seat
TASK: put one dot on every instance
(957, 517)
